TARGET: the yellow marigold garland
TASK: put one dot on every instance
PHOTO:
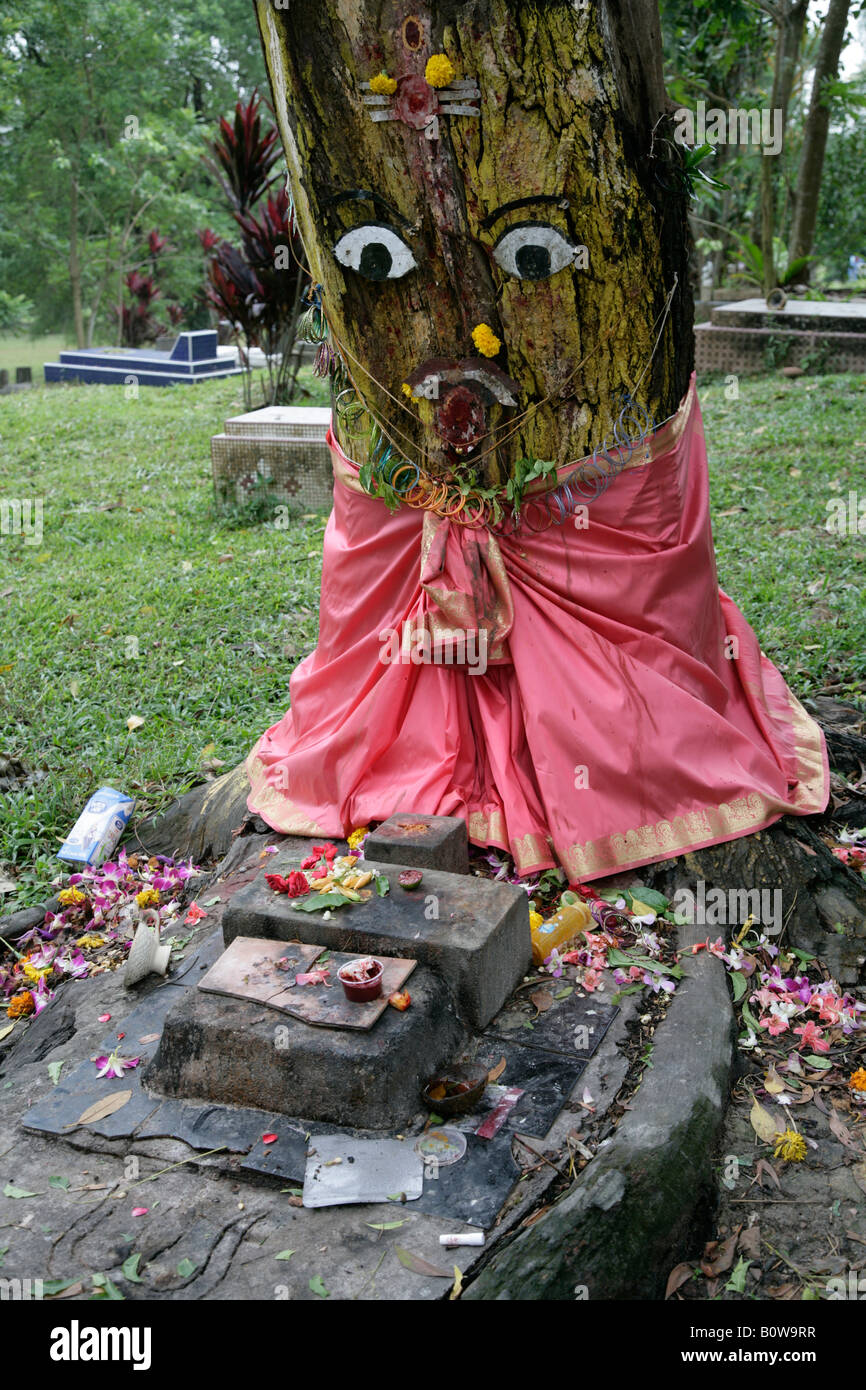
(439, 71)
(383, 85)
(485, 340)
(790, 1146)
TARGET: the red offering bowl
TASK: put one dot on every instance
(369, 986)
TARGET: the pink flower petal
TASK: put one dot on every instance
(140, 1211)
(269, 1139)
(104, 1018)
(194, 915)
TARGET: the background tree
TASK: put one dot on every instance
(789, 17)
(816, 130)
(102, 112)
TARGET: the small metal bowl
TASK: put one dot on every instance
(472, 1074)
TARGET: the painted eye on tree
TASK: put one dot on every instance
(375, 251)
(533, 251)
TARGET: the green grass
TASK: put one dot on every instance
(135, 558)
(779, 455)
(31, 352)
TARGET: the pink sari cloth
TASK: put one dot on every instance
(626, 714)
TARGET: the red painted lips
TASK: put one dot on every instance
(464, 391)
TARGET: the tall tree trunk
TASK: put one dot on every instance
(789, 40)
(571, 123)
(75, 266)
(815, 134)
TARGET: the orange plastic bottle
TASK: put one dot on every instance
(572, 918)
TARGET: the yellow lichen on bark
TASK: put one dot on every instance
(550, 124)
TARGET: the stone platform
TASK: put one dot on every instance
(238, 1052)
(279, 451)
(740, 337)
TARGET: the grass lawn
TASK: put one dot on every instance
(32, 352)
(141, 601)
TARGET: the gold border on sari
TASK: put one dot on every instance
(665, 839)
(274, 806)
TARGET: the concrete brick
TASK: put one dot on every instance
(422, 842)
(229, 1051)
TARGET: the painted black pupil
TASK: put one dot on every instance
(533, 262)
(375, 261)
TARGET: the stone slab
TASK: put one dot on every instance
(251, 968)
(236, 1052)
(820, 315)
(475, 1187)
(556, 1030)
(83, 1087)
(420, 842)
(206, 1126)
(479, 943)
(58, 1111)
(286, 1158)
(191, 969)
(547, 1081)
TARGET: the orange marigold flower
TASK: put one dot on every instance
(858, 1080)
(21, 1005)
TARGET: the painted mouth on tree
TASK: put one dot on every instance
(463, 392)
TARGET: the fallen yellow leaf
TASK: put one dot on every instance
(134, 722)
(764, 1125)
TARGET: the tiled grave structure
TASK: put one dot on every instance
(219, 1072)
(748, 337)
(194, 357)
(280, 453)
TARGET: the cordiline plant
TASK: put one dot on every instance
(138, 323)
(244, 156)
(257, 287)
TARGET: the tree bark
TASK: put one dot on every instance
(815, 134)
(572, 111)
(789, 39)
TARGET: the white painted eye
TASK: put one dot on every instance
(533, 251)
(375, 251)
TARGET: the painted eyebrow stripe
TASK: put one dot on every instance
(554, 198)
(366, 195)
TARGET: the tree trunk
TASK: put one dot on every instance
(570, 122)
(75, 266)
(815, 134)
(789, 39)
